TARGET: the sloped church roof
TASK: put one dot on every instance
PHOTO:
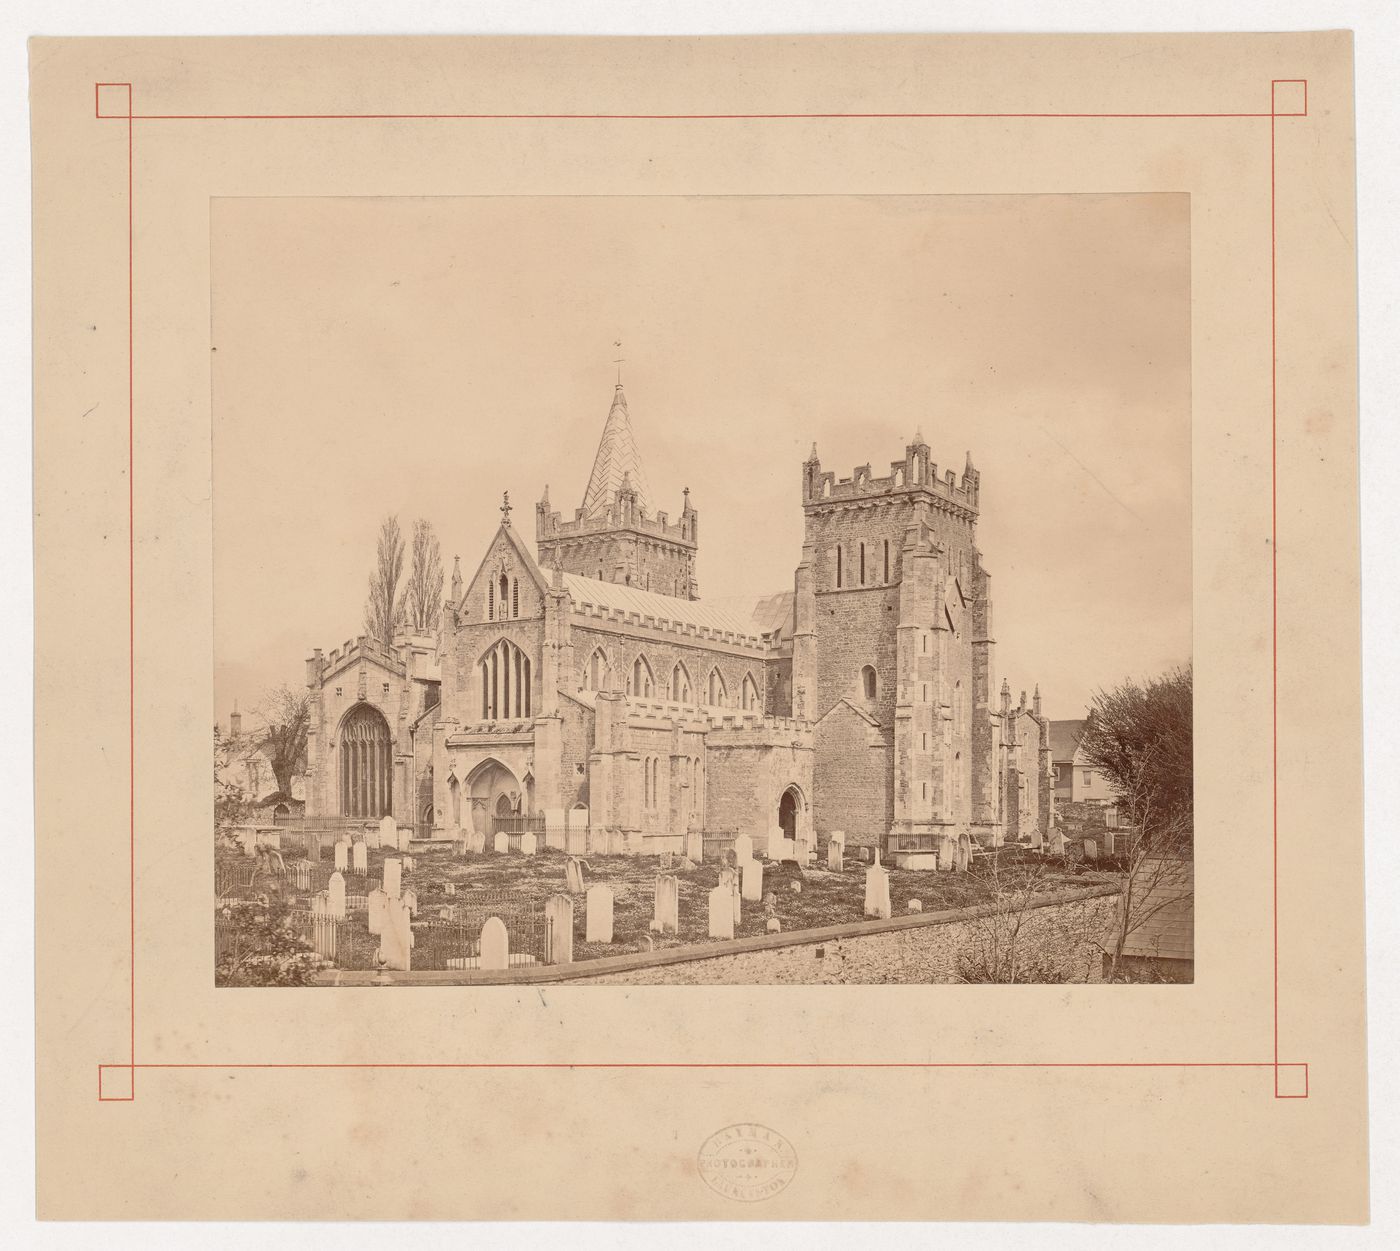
(617, 459)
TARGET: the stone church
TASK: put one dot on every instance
(589, 682)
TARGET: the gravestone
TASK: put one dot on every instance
(500, 844)
(694, 845)
(576, 836)
(393, 878)
(389, 833)
(376, 907)
(722, 912)
(802, 852)
(444, 914)
(743, 849)
(964, 860)
(915, 905)
(573, 875)
(342, 856)
(476, 842)
(947, 855)
(666, 861)
(752, 885)
(729, 880)
(877, 890)
(449, 888)
(495, 945)
(838, 836)
(774, 926)
(559, 929)
(396, 937)
(598, 923)
(666, 905)
(836, 856)
(359, 858)
(335, 896)
(1091, 849)
(323, 927)
(409, 863)
(797, 888)
(527, 844)
(410, 901)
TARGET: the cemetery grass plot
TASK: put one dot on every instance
(271, 900)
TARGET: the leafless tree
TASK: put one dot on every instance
(383, 607)
(423, 597)
(284, 719)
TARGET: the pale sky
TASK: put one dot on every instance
(420, 356)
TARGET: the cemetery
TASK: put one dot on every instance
(352, 901)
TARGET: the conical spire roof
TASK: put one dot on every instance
(617, 459)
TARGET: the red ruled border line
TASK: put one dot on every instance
(131, 118)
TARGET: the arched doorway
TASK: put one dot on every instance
(366, 757)
(494, 793)
(788, 807)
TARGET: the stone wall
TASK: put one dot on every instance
(917, 954)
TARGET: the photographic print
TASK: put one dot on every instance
(702, 589)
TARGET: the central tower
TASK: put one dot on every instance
(614, 536)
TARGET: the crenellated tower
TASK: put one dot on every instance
(614, 536)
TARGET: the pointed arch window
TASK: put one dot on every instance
(748, 695)
(595, 672)
(717, 694)
(507, 689)
(640, 681)
(680, 684)
(867, 682)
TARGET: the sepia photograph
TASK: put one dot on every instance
(604, 589)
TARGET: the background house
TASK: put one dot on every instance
(1076, 779)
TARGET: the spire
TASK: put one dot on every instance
(617, 458)
(1035, 701)
(456, 579)
(813, 458)
(919, 439)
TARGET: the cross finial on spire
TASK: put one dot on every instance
(505, 508)
(619, 361)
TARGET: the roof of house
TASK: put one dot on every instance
(1064, 738)
(745, 617)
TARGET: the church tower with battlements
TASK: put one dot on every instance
(614, 536)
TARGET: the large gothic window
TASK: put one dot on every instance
(506, 688)
(366, 762)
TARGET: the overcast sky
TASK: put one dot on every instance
(420, 356)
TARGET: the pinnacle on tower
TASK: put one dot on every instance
(456, 579)
(617, 459)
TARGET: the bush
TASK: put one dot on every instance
(257, 946)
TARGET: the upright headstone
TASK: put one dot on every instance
(476, 842)
(695, 845)
(359, 858)
(408, 863)
(372, 835)
(389, 833)
(410, 901)
(324, 929)
(836, 856)
(576, 834)
(559, 929)
(342, 856)
(1057, 842)
(752, 884)
(527, 844)
(495, 945)
(666, 908)
(722, 912)
(449, 888)
(964, 862)
(743, 848)
(729, 880)
(1091, 849)
(802, 851)
(877, 890)
(335, 896)
(598, 925)
(396, 937)
(376, 907)
(501, 843)
(393, 877)
(915, 905)
(573, 875)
